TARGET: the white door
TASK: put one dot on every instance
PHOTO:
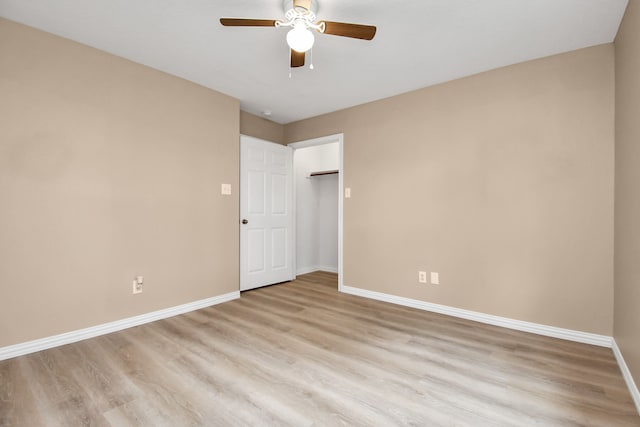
(266, 217)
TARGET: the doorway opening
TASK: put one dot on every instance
(318, 205)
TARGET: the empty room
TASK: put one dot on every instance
(320, 212)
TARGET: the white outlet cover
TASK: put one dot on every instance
(422, 277)
(137, 287)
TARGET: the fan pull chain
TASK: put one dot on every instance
(311, 59)
(289, 62)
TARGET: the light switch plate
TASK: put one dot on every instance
(225, 189)
(347, 193)
(435, 278)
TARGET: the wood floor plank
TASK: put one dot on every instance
(303, 354)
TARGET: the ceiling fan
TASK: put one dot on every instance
(300, 15)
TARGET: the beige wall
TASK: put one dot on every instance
(627, 234)
(501, 182)
(108, 170)
(252, 125)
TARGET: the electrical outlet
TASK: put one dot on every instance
(137, 284)
(422, 277)
(435, 278)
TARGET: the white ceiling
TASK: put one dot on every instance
(419, 43)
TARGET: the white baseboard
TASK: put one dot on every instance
(519, 325)
(626, 374)
(106, 328)
(306, 270)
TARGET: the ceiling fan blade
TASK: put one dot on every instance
(242, 22)
(356, 31)
(297, 59)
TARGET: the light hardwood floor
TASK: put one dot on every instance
(302, 354)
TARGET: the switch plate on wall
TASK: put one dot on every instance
(347, 193)
(225, 189)
(435, 278)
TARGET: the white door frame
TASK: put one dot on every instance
(339, 138)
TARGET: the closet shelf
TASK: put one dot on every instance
(320, 173)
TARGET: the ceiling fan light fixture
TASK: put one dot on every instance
(299, 38)
(300, 17)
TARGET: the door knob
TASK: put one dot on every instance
(244, 221)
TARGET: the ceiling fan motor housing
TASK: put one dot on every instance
(301, 7)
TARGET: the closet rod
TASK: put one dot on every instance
(331, 172)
